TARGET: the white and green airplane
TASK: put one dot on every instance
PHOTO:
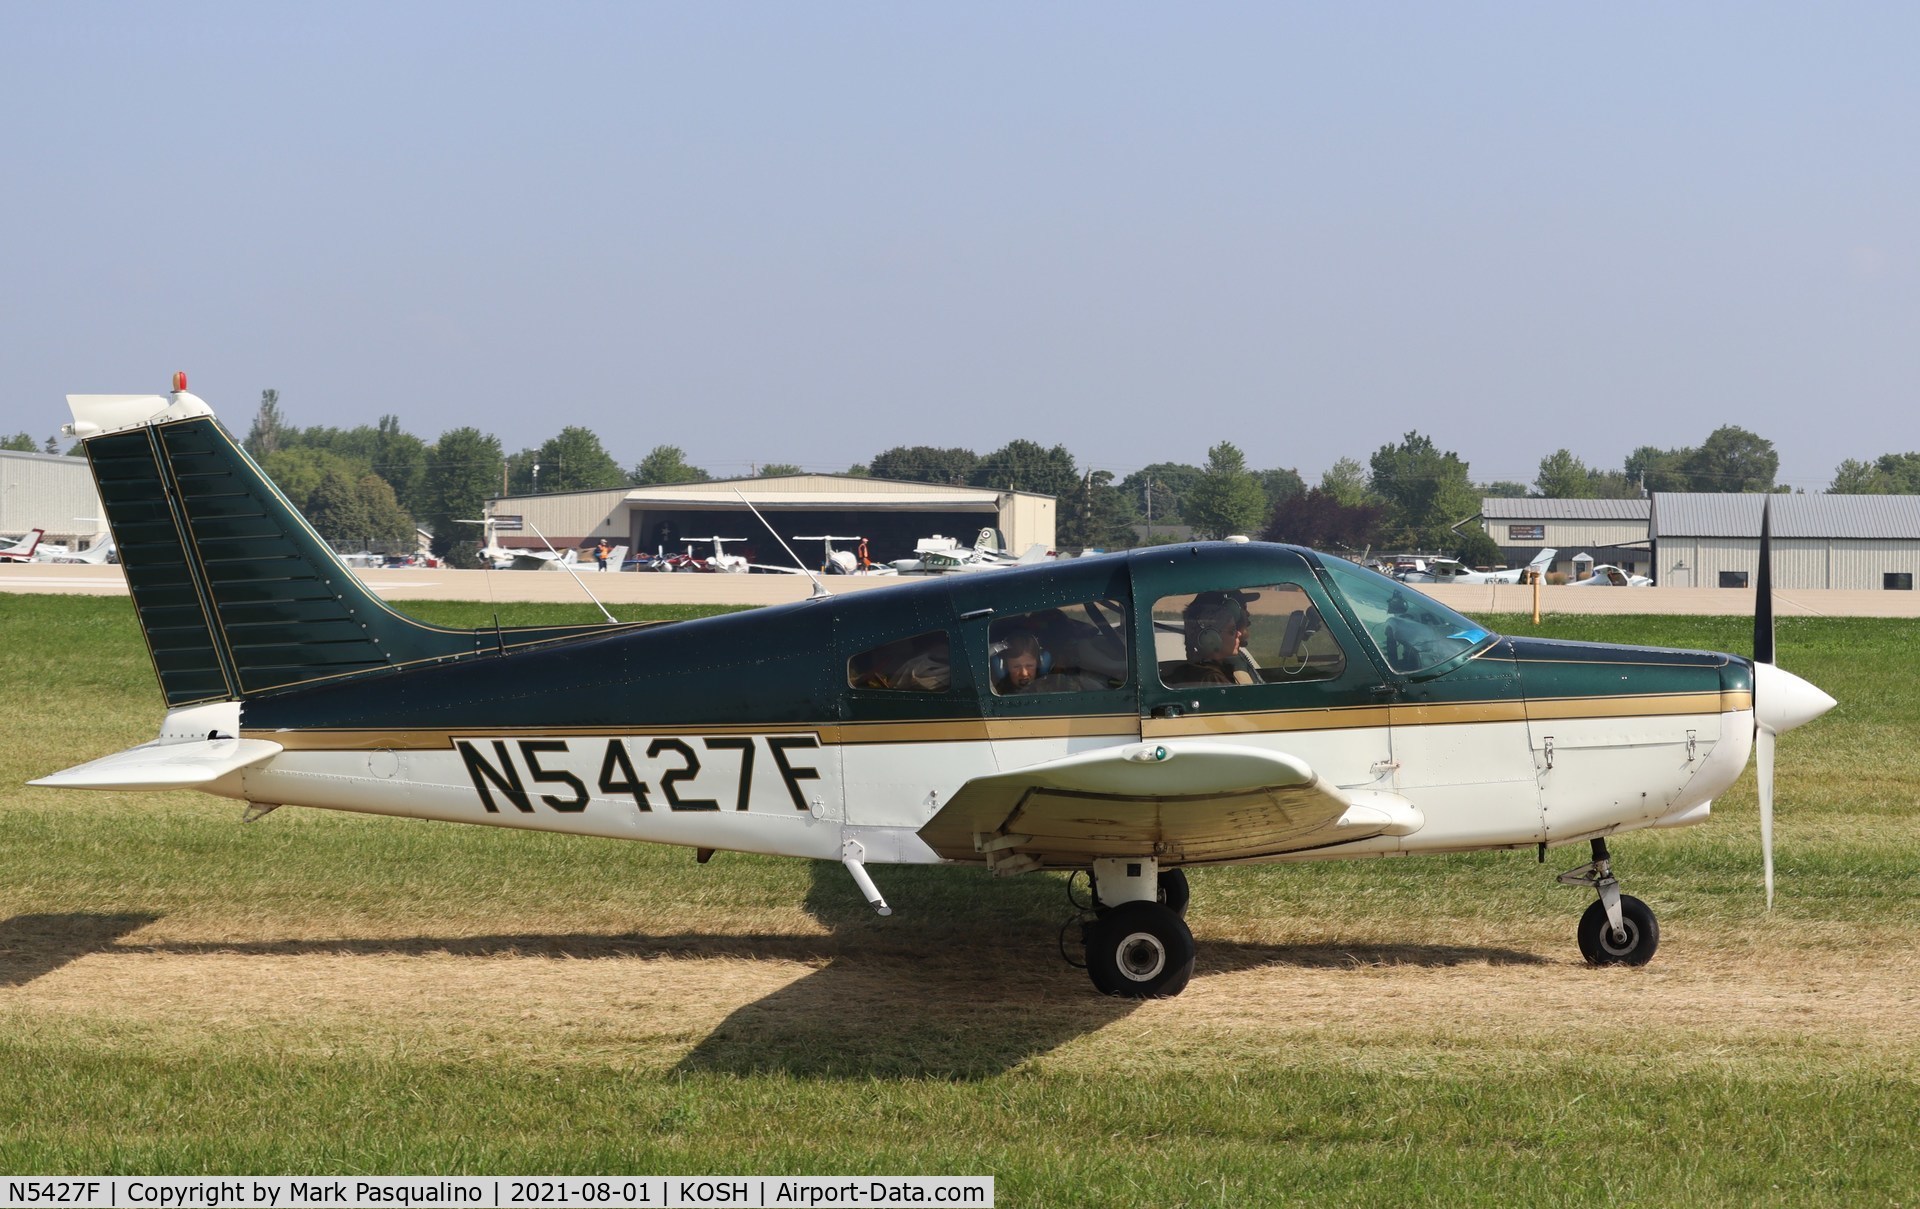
(1127, 715)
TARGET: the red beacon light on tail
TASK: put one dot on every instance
(179, 381)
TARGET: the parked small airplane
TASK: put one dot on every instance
(1453, 571)
(1606, 575)
(22, 551)
(849, 562)
(1125, 715)
(941, 555)
(98, 554)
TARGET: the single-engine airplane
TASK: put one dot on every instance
(1453, 571)
(1127, 715)
(1606, 575)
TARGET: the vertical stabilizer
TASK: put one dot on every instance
(236, 593)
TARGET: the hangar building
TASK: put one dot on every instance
(890, 514)
(1611, 531)
(1819, 541)
(53, 492)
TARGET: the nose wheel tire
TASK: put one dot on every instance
(1139, 950)
(1173, 891)
(1601, 947)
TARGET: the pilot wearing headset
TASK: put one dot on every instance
(1216, 625)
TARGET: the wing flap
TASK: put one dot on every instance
(165, 765)
(1184, 803)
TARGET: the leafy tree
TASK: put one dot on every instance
(1504, 489)
(1614, 485)
(776, 469)
(1732, 459)
(1564, 477)
(666, 464)
(925, 464)
(575, 460)
(1346, 480)
(1658, 469)
(269, 431)
(463, 471)
(1097, 513)
(1320, 519)
(1228, 499)
(1026, 466)
(1279, 484)
(1889, 474)
(1426, 492)
(337, 511)
(52, 446)
(1160, 490)
(298, 472)
(19, 442)
(858, 471)
(389, 526)
(400, 458)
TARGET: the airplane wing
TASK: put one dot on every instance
(1184, 802)
(165, 765)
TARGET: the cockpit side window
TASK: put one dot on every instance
(1077, 648)
(920, 664)
(1413, 631)
(1269, 634)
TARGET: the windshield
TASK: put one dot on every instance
(1414, 631)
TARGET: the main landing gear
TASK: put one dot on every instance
(1619, 929)
(1138, 945)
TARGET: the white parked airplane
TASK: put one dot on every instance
(1453, 571)
(1606, 575)
(849, 562)
(940, 555)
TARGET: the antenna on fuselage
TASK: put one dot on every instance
(568, 568)
(819, 589)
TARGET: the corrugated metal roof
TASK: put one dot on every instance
(1528, 509)
(1677, 514)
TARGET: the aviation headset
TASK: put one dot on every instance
(1211, 617)
(1001, 651)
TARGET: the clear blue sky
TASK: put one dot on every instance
(809, 232)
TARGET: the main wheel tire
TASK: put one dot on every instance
(1597, 943)
(1174, 893)
(1140, 950)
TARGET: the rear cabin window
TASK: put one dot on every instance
(1077, 648)
(1264, 635)
(920, 664)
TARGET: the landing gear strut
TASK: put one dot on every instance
(1138, 947)
(1619, 929)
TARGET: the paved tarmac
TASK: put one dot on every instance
(640, 587)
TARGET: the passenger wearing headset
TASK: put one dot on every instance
(1018, 663)
(1216, 625)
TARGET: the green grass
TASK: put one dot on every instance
(332, 993)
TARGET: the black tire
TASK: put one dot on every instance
(1599, 947)
(1174, 894)
(1140, 950)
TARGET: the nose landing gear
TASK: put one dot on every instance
(1137, 944)
(1619, 929)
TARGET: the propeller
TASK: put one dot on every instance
(1781, 700)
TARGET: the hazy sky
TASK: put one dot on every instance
(808, 232)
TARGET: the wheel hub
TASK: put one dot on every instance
(1142, 956)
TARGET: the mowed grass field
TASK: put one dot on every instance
(320, 992)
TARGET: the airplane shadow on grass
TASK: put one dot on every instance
(965, 981)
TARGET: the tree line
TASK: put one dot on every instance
(371, 484)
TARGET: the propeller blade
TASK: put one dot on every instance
(1763, 589)
(1763, 742)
